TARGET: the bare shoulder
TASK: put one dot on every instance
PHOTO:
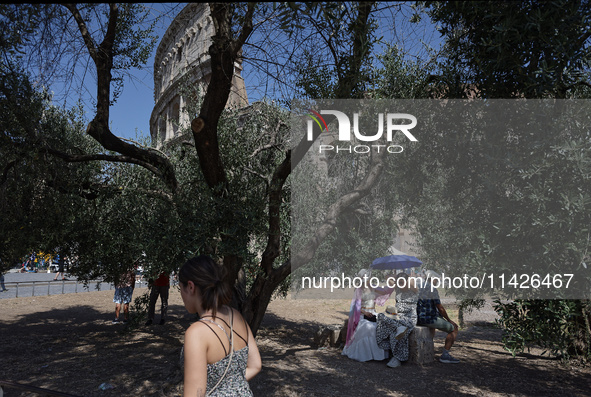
(239, 323)
(237, 315)
(198, 329)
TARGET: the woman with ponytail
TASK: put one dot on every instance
(220, 352)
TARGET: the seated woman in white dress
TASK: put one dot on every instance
(361, 342)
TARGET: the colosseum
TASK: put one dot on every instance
(183, 48)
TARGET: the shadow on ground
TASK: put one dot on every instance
(74, 348)
(295, 367)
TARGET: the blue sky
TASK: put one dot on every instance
(133, 108)
(130, 117)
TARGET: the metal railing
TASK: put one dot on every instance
(65, 285)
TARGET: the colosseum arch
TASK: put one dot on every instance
(184, 47)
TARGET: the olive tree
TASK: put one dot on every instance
(205, 195)
(500, 199)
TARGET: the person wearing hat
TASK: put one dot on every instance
(361, 342)
(432, 314)
(396, 324)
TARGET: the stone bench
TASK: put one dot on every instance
(420, 341)
(333, 336)
(420, 345)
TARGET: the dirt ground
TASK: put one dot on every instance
(67, 343)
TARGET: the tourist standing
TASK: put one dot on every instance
(220, 352)
(159, 287)
(60, 269)
(123, 294)
(2, 282)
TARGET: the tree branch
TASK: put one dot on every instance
(150, 148)
(224, 53)
(98, 128)
(5, 172)
(336, 209)
(78, 158)
(581, 82)
(272, 250)
(247, 27)
(273, 142)
(109, 39)
(90, 191)
(88, 41)
(261, 176)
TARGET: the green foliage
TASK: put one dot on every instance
(496, 197)
(398, 78)
(133, 44)
(252, 143)
(135, 222)
(35, 215)
(43, 39)
(250, 162)
(338, 63)
(122, 215)
(17, 24)
(531, 49)
(138, 312)
(561, 326)
(500, 199)
(129, 224)
(485, 201)
(104, 216)
(316, 79)
(367, 229)
(467, 306)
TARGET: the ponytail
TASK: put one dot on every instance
(208, 276)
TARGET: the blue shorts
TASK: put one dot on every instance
(123, 295)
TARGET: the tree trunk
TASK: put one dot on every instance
(260, 295)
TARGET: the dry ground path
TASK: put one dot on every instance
(67, 343)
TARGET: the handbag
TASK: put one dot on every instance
(231, 354)
(370, 317)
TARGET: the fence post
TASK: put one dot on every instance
(33, 289)
(48, 284)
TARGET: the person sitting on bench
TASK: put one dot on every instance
(432, 314)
